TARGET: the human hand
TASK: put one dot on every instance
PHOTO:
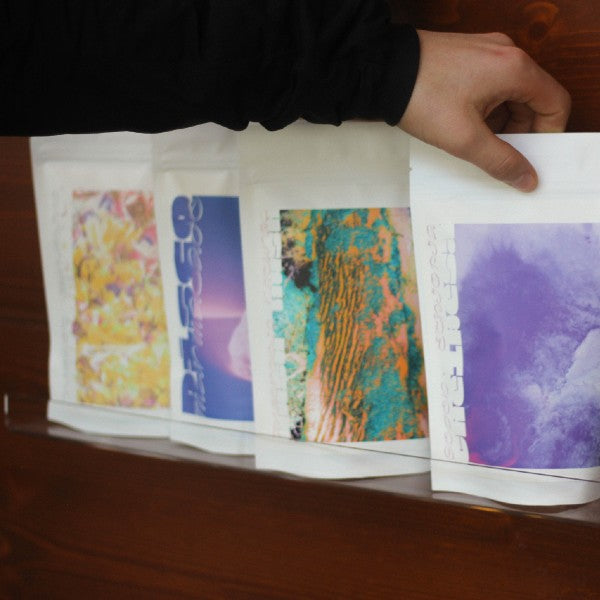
(471, 86)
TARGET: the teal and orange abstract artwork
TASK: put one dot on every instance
(350, 326)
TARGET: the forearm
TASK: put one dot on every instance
(101, 65)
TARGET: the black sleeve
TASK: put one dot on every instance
(73, 66)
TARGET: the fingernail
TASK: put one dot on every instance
(525, 182)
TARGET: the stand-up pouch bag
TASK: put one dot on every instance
(109, 351)
(509, 286)
(339, 382)
(197, 206)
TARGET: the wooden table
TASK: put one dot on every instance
(87, 519)
(152, 521)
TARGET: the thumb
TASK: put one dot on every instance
(499, 159)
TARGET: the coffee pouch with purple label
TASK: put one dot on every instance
(509, 287)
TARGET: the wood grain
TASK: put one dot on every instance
(74, 518)
(23, 324)
(77, 520)
(563, 36)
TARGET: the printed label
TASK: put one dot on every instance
(214, 349)
(345, 319)
(121, 344)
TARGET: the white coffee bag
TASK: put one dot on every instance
(509, 287)
(339, 383)
(197, 191)
(109, 354)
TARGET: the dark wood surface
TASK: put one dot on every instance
(23, 328)
(563, 36)
(76, 519)
(83, 521)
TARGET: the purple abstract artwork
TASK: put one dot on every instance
(529, 307)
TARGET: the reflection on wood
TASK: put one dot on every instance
(77, 519)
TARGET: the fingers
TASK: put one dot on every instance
(498, 119)
(520, 118)
(469, 85)
(510, 117)
(497, 158)
(539, 91)
(555, 120)
(498, 38)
